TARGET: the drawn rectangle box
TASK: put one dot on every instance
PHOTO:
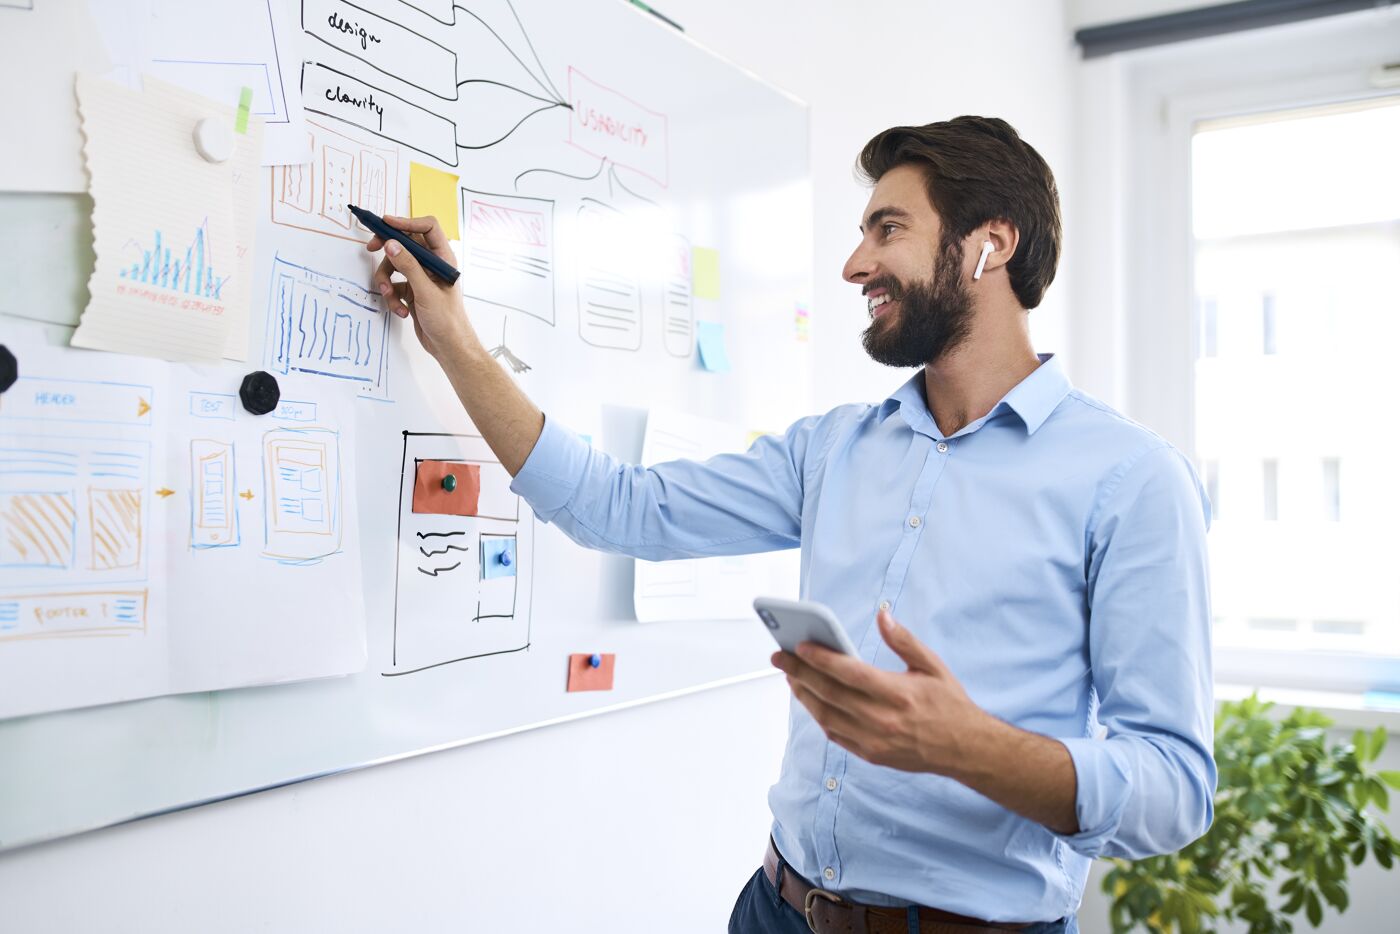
(370, 38)
(327, 326)
(498, 556)
(604, 123)
(76, 614)
(213, 506)
(36, 398)
(212, 405)
(430, 495)
(508, 251)
(312, 196)
(609, 285)
(222, 81)
(301, 480)
(114, 520)
(336, 94)
(38, 529)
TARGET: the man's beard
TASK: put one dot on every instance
(933, 317)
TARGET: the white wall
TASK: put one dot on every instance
(644, 820)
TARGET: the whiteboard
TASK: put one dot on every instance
(607, 332)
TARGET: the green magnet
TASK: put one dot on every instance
(449, 482)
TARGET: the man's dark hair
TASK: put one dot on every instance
(978, 169)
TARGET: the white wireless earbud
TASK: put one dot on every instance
(987, 249)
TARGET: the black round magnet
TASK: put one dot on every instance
(259, 392)
(9, 368)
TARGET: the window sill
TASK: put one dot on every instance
(1349, 710)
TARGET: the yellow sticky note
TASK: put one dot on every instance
(704, 272)
(433, 191)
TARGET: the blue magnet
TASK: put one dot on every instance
(497, 557)
(595, 660)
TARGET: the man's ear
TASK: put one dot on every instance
(1002, 236)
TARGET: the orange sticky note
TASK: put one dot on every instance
(584, 677)
(433, 191)
(430, 495)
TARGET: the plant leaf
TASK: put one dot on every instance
(1314, 909)
(1390, 777)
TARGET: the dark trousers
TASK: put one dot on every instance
(760, 910)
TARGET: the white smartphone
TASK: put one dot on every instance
(795, 621)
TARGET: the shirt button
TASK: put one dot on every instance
(831, 784)
(943, 447)
(885, 605)
(915, 522)
(828, 873)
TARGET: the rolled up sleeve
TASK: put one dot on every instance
(1147, 786)
(730, 504)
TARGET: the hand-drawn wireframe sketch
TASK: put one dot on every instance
(508, 252)
(302, 494)
(74, 509)
(342, 171)
(668, 578)
(678, 302)
(609, 283)
(213, 507)
(363, 50)
(463, 581)
(327, 326)
(608, 124)
(502, 352)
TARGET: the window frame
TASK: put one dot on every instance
(1162, 95)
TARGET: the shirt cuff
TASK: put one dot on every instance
(1104, 784)
(553, 470)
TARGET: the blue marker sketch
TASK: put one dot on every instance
(301, 494)
(218, 405)
(213, 485)
(192, 276)
(327, 326)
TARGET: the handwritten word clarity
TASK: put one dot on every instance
(608, 125)
(364, 103)
(354, 30)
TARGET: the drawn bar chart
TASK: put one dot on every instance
(194, 276)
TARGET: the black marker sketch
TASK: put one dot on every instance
(501, 351)
(678, 301)
(448, 613)
(508, 250)
(582, 178)
(609, 286)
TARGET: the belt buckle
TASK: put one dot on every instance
(813, 895)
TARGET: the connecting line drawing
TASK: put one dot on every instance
(327, 326)
(502, 352)
(582, 178)
(456, 513)
(614, 180)
(490, 104)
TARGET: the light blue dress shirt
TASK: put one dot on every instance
(1053, 553)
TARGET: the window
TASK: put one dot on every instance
(1300, 577)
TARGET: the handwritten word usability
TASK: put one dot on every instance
(609, 125)
(341, 24)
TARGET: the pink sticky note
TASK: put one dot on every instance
(584, 677)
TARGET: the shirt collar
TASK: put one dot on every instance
(1032, 399)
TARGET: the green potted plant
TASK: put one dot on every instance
(1290, 813)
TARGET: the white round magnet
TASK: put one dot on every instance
(213, 137)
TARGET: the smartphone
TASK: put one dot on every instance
(795, 621)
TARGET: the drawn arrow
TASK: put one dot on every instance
(163, 492)
(142, 407)
(247, 494)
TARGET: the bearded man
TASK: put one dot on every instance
(1046, 697)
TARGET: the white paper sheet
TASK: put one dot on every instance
(169, 280)
(704, 588)
(217, 49)
(157, 538)
(41, 46)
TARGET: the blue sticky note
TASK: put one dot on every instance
(497, 558)
(710, 337)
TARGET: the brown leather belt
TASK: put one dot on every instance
(827, 913)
